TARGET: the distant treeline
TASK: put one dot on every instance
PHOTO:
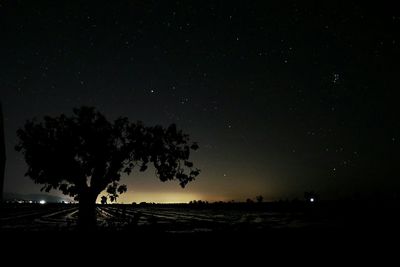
(286, 204)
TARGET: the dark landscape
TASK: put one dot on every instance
(131, 122)
(215, 218)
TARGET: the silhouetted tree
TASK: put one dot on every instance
(249, 201)
(84, 154)
(259, 198)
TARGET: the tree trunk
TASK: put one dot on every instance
(87, 211)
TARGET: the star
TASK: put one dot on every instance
(336, 78)
(184, 100)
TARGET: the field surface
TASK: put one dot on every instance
(172, 219)
(196, 219)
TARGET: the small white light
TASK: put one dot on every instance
(42, 202)
(312, 199)
(30, 201)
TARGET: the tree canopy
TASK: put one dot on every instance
(85, 153)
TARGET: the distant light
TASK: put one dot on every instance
(42, 202)
(312, 199)
(30, 201)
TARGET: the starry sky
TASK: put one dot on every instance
(282, 96)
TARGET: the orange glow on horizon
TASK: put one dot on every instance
(157, 197)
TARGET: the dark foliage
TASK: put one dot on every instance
(259, 198)
(84, 154)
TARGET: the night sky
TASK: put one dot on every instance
(283, 97)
